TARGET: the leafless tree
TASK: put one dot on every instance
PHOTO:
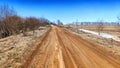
(5, 12)
(76, 25)
(118, 24)
(100, 26)
(11, 23)
(59, 22)
(43, 22)
(81, 25)
(32, 23)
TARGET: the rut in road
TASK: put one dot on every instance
(62, 49)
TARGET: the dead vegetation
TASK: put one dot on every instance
(12, 24)
(15, 50)
(18, 36)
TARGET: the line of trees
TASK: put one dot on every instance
(11, 23)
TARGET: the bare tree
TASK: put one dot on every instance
(76, 25)
(81, 25)
(59, 22)
(32, 23)
(5, 12)
(118, 24)
(100, 27)
(11, 23)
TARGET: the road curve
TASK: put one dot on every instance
(62, 49)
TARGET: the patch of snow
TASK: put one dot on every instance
(104, 35)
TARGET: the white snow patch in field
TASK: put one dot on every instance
(104, 35)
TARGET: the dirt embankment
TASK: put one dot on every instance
(15, 50)
(62, 49)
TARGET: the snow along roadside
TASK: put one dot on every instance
(104, 35)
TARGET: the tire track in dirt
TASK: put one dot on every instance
(68, 60)
(31, 57)
(62, 49)
(52, 54)
(107, 61)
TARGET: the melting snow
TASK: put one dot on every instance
(104, 35)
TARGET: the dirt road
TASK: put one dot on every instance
(62, 49)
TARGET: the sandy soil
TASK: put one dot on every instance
(62, 49)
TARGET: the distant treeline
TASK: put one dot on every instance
(11, 23)
(95, 23)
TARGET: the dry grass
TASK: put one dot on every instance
(14, 50)
(111, 29)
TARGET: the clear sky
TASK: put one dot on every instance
(68, 10)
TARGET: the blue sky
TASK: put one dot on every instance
(68, 10)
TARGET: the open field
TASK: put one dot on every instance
(110, 29)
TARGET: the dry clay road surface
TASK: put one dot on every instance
(62, 49)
